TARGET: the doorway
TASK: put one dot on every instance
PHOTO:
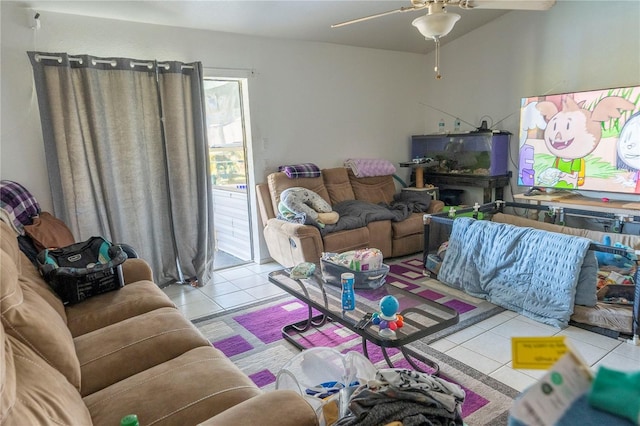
(227, 140)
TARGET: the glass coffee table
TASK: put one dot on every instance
(422, 317)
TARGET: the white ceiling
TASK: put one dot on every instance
(295, 19)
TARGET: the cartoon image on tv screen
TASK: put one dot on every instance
(582, 140)
(629, 153)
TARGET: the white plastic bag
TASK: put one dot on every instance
(318, 373)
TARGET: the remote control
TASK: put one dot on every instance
(366, 319)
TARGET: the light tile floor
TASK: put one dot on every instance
(230, 288)
(485, 346)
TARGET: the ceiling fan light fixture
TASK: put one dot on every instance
(437, 23)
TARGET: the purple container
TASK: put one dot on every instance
(478, 153)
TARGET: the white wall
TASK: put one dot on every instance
(577, 45)
(314, 102)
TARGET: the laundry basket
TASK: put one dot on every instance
(331, 273)
(319, 373)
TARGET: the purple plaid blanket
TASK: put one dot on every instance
(18, 204)
(300, 170)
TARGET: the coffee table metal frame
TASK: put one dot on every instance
(422, 317)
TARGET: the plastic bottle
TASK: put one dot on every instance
(129, 420)
(441, 125)
(348, 294)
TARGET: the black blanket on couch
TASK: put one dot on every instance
(356, 214)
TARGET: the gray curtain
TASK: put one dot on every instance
(127, 157)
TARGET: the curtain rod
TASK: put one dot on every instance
(112, 62)
(228, 72)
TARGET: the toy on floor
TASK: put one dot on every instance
(387, 319)
(609, 259)
(306, 205)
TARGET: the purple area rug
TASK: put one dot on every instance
(251, 337)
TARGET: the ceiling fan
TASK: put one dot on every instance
(437, 23)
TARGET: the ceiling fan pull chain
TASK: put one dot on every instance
(437, 67)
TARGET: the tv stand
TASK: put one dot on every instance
(487, 183)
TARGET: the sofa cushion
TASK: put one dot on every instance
(7, 375)
(9, 242)
(341, 241)
(279, 181)
(407, 245)
(120, 350)
(410, 226)
(376, 189)
(109, 308)
(30, 319)
(299, 411)
(186, 390)
(338, 186)
(380, 236)
(33, 392)
(30, 277)
(28, 273)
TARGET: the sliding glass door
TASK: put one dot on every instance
(226, 125)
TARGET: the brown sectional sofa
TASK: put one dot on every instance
(123, 352)
(291, 243)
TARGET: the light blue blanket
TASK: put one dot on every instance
(529, 271)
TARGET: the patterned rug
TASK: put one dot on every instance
(407, 274)
(251, 337)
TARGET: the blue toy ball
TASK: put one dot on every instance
(389, 306)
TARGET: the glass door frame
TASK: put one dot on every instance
(242, 78)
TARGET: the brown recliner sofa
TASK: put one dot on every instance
(123, 352)
(291, 243)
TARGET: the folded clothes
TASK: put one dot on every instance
(408, 396)
(300, 170)
(368, 167)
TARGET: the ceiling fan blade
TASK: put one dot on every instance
(378, 15)
(507, 4)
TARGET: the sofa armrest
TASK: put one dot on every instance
(435, 206)
(264, 203)
(136, 270)
(294, 229)
(292, 243)
(279, 407)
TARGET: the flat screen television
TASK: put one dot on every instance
(581, 141)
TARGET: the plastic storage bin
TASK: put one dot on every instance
(331, 273)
